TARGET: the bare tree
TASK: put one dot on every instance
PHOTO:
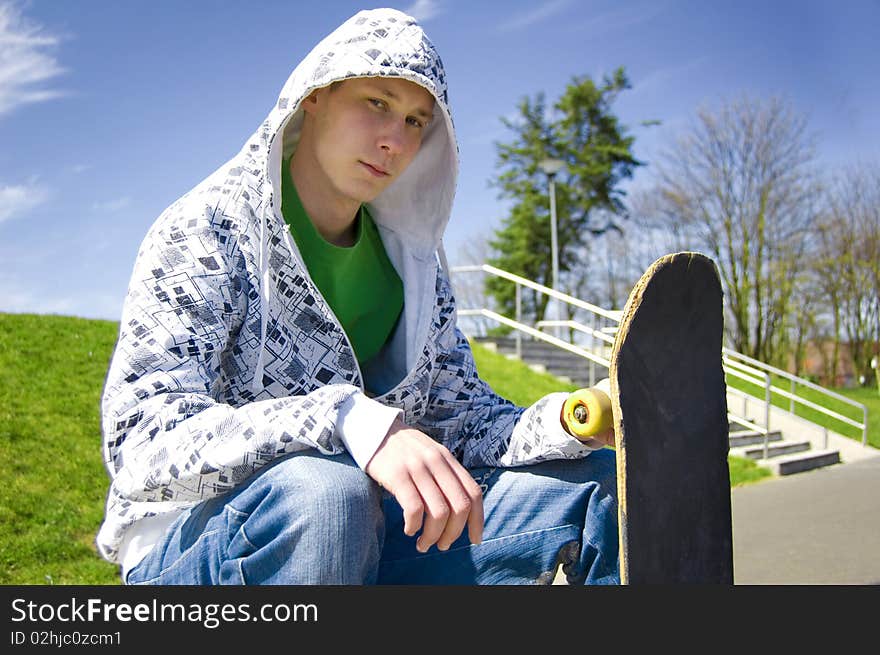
(806, 324)
(469, 287)
(850, 266)
(738, 184)
(832, 275)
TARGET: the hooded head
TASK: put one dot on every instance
(381, 43)
(412, 212)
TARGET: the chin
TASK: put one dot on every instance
(368, 194)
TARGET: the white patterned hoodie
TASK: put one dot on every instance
(229, 357)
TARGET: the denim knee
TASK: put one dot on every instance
(309, 483)
(308, 519)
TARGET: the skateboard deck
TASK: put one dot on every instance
(668, 407)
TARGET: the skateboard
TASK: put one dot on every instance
(667, 405)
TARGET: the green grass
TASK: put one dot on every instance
(744, 471)
(54, 482)
(513, 379)
(868, 396)
(517, 382)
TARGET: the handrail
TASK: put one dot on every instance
(571, 300)
(488, 313)
(765, 431)
(789, 376)
(734, 357)
(735, 363)
(574, 325)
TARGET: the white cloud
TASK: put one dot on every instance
(20, 199)
(113, 205)
(536, 15)
(25, 65)
(80, 168)
(423, 10)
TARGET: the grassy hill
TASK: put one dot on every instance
(52, 497)
(54, 481)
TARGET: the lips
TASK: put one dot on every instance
(374, 170)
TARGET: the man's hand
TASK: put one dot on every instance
(600, 440)
(436, 492)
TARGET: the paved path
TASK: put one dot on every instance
(817, 527)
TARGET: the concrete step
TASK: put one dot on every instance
(560, 359)
(740, 438)
(573, 374)
(800, 462)
(531, 349)
(774, 449)
(546, 358)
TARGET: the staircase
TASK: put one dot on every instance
(547, 358)
(783, 456)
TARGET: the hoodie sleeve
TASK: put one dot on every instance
(168, 434)
(480, 427)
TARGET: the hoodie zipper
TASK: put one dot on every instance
(410, 374)
(305, 272)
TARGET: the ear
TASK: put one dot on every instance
(310, 103)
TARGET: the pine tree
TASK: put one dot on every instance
(581, 130)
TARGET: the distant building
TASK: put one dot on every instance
(816, 364)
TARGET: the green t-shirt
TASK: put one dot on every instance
(359, 282)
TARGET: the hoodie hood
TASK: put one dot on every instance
(413, 211)
(380, 43)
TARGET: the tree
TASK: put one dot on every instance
(739, 183)
(849, 265)
(581, 130)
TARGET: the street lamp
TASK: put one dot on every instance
(551, 167)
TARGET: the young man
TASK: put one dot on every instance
(290, 400)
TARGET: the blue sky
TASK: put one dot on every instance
(110, 110)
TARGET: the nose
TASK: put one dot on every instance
(393, 137)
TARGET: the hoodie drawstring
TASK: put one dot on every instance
(257, 384)
(441, 251)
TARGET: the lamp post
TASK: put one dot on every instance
(551, 167)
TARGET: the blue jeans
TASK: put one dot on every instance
(311, 519)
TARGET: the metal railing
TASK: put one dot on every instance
(599, 335)
(764, 379)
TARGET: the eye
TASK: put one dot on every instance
(415, 122)
(377, 103)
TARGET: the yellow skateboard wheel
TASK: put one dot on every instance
(587, 412)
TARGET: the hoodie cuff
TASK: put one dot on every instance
(363, 425)
(551, 416)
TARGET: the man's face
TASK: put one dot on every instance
(366, 132)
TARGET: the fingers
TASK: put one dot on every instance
(435, 491)
(437, 510)
(463, 501)
(451, 500)
(473, 501)
(606, 438)
(410, 501)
